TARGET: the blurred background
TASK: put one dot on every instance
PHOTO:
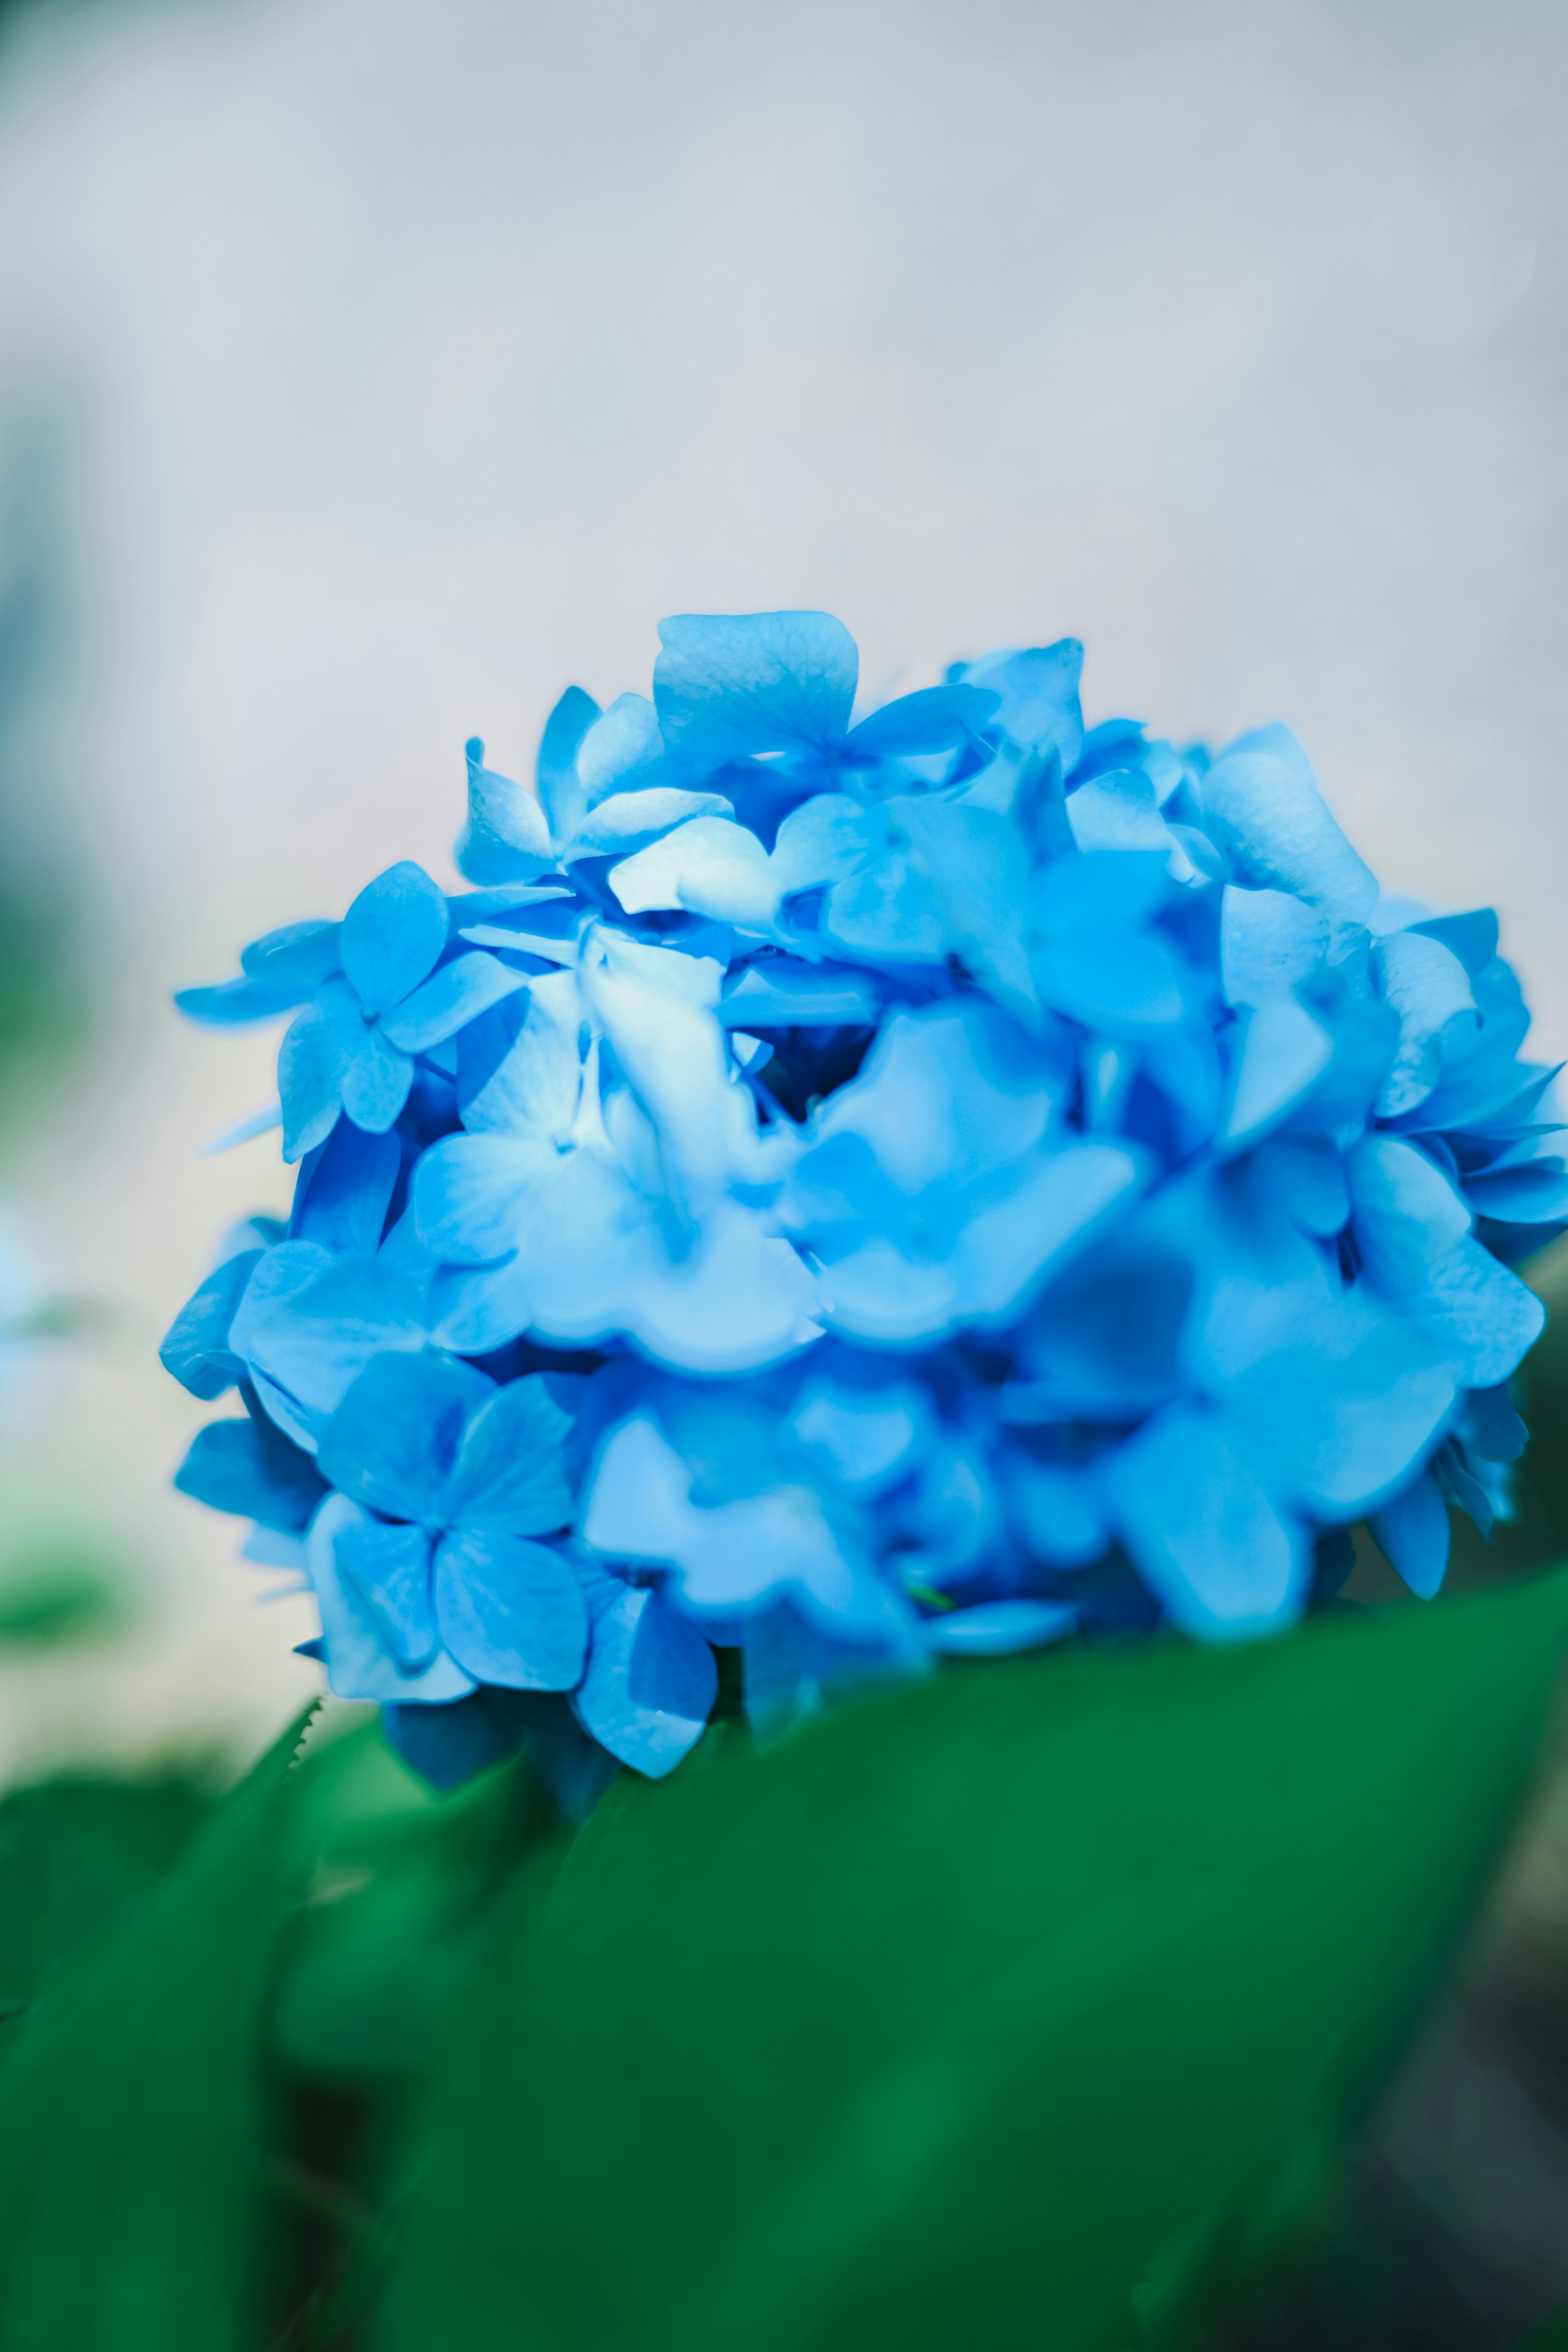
(370, 372)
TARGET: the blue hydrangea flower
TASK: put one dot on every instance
(381, 991)
(855, 1190)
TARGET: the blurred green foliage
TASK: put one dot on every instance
(74, 1857)
(42, 1004)
(1034, 2003)
(54, 1595)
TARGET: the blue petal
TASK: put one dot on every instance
(1413, 1533)
(875, 1293)
(1066, 1199)
(1406, 1212)
(280, 971)
(594, 1260)
(1185, 1065)
(1118, 812)
(389, 1569)
(937, 718)
(1472, 937)
(1457, 1472)
(1261, 807)
(1492, 1426)
(472, 1192)
(1203, 1530)
(1039, 706)
(951, 1521)
(314, 1059)
(1280, 1053)
(511, 1611)
(738, 1556)
(1114, 743)
(952, 882)
(502, 899)
(344, 1189)
(196, 1349)
(300, 955)
(392, 935)
(359, 1663)
(283, 1272)
(1035, 799)
(1530, 1195)
(1429, 989)
(688, 965)
(233, 1001)
(476, 1309)
(552, 933)
(393, 1440)
(652, 879)
(1059, 1512)
(1306, 1180)
(523, 1071)
(1105, 1341)
(1483, 1313)
(998, 1257)
(447, 1745)
(309, 1327)
(376, 1082)
(506, 839)
(728, 686)
(623, 750)
(673, 1057)
(1270, 944)
(996, 1629)
(561, 791)
(243, 1130)
(630, 821)
(509, 1476)
(952, 1091)
(1124, 985)
(781, 992)
(651, 1680)
(457, 994)
(1097, 891)
(868, 1431)
(1347, 1398)
(825, 839)
(250, 1468)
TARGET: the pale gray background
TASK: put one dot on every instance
(383, 364)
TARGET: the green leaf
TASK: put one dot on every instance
(74, 1855)
(129, 2124)
(409, 1892)
(408, 1898)
(959, 2016)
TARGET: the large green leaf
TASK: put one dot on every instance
(74, 1855)
(410, 1892)
(959, 2017)
(129, 2124)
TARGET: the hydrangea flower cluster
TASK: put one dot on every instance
(857, 1194)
